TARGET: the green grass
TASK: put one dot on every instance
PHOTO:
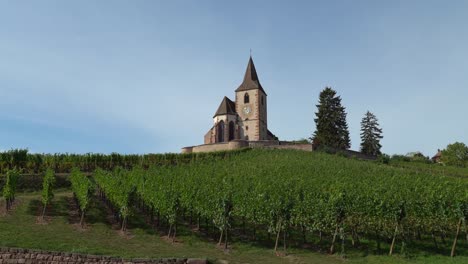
(19, 228)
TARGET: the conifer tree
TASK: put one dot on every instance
(332, 128)
(371, 134)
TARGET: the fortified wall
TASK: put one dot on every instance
(26, 256)
(272, 144)
(238, 144)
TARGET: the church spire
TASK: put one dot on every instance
(250, 81)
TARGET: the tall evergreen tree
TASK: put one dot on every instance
(371, 134)
(332, 128)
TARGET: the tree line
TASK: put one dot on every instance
(332, 131)
(332, 127)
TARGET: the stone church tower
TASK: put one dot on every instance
(251, 106)
(244, 119)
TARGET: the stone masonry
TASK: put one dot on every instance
(26, 256)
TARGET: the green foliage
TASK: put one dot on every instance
(455, 154)
(421, 159)
(117, 187)
(384, 158)
(400, 158)
(47, 187)
(9, 189)
(13, 158)
(371, 134)
(332, 128)
(82, 187)
(20, 230)
(64, 162)
(280, 189)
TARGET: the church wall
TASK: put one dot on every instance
(209, 136)
(227, 119)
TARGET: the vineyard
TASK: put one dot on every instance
(29, 163)
(290, 196)
(281, 191)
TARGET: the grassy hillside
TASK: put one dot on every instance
(305, 196)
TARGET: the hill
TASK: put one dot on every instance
(314, 202)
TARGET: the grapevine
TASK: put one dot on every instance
(82, 189)
(47, 189)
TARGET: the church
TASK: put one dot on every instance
(242, 123)
(245, 118)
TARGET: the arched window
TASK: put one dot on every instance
(262, 99)
(220, 131)
(231, 131)
(246, 98)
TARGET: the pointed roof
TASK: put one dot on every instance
(250, 79)
(226, 107)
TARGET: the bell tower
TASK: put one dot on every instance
(251, 106)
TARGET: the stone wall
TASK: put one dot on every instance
(263, 143)
(26, 256)
(211, 147)
(303, 147)
(271, 144)
(231, 145)
(237, 144)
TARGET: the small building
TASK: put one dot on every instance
(437, 156)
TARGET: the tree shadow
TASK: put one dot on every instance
(57, 207)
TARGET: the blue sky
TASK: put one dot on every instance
(147, 76)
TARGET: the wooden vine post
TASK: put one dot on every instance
(452, 254)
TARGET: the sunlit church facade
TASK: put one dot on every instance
(245, 118)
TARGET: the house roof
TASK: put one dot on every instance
(226, 107)
(250, 81)
(437, 155)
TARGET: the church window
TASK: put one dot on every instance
(247, 128)
(246, 98)
(262, 99)
(220, 132)
(231, 131)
